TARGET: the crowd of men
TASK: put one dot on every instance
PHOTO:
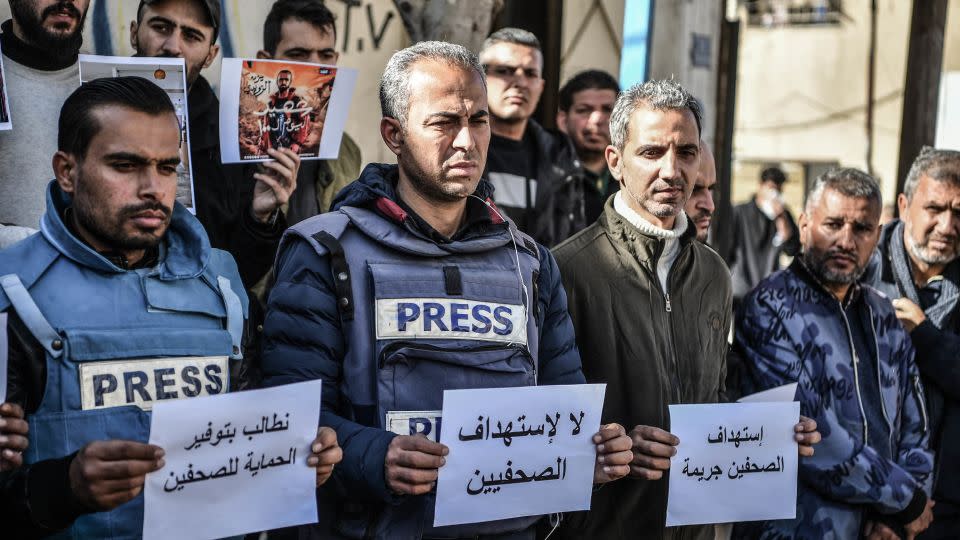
(599, 232)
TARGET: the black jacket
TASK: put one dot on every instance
(560, 209)
(224, 193)
(36, 500)
(753, 256)
(937, 341)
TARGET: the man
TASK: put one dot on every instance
(916, 265)
(536, 174)
(119, 302)
(339, 273)
(660, 333)
(238, 205)
(40, 46)
(586, 101)
(306, 31)
(813, 324)
(287, 122)
(763, 229)
(700, 207)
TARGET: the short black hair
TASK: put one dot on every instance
(78, 125)
(314, 12)
(591, 79)
(517, 36)
(773, 174)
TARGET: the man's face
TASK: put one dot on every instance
(514, 80)
(303, 42)
(588, 120)
(932, 221)
(176, 29)
(659, 162)
(283, 80)
(124, 188)
(443, 148)
(700, 206)
(838, 236)
(55, 25)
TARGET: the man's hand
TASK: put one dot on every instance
(614, 453)
(806, 435)
(412, 464)
(920, 524)
(878, 531)
(324, 454)
(13, 436)
(106, 474)
(652, 450)
(276, 181)
(910, 314)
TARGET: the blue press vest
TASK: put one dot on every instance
(426, 318)
(116, 339)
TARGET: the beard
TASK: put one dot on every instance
(433, 186)
(108, 230)
(928, 256)
(659, 209)
(58, 44)
(816, 261)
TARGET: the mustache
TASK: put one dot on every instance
(63, 5)
(700, 215)
(835, 252)
(134, 209)
(660, 184)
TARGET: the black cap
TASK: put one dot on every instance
(212, 8)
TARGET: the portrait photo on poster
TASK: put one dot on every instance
(280, 104)
(170, 75)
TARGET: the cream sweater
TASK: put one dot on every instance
(671, 237)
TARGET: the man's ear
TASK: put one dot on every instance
(133, 35)
(212, 55)
(803, 222)
(264, 55)
(392, 134)
(65, 167)
(902, 205)
(562, 121)
(614, 162)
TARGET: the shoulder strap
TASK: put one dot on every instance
(341, 273)
(31, 315)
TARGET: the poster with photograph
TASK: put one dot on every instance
(5, 123)
(276, 104)
(170, 74)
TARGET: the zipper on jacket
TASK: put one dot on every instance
(856, 374)
(921, 400)
(883, 406)
(669, 309)
(666, 296)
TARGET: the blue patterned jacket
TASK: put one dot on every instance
(790, 329)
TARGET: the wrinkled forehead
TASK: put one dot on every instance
(837, 206)
(512, 54)
(434, 84)
(649, 125)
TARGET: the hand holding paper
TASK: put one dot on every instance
(324, 454)
(14, 431)
(276, 181)
(106, 474)
(653, 448)
(614, 453)
(412, 464)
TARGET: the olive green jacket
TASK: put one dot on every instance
(651, 347)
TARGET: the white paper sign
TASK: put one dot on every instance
(235, 463)
(517, 452)
(281, 104)
(170, 74)
(3, 357)
(735, 462)
(786, 392)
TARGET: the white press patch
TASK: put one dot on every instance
(414, 422)
(142, 382)
(445, 318)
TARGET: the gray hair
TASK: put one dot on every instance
(395, 81)
(658, 95)
(941, 165)
(847, 181)
(517, 36)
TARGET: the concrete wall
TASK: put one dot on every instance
(801, 93)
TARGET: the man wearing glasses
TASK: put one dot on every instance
(537, 177)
